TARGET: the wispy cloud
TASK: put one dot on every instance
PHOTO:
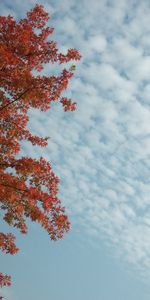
(7, 293)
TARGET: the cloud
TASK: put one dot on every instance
(102, 151)
(7, 293)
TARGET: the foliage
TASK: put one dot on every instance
(28, 187)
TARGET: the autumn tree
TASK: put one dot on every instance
(29, 187)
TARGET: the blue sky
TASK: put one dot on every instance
(101, 154)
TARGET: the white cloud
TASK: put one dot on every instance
(7, 293)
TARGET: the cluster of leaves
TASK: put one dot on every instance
(28, 187)
(4, 280)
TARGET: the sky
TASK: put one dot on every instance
(101, 154)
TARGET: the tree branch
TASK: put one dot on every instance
(15, 100)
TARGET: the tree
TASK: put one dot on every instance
(28, 187)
